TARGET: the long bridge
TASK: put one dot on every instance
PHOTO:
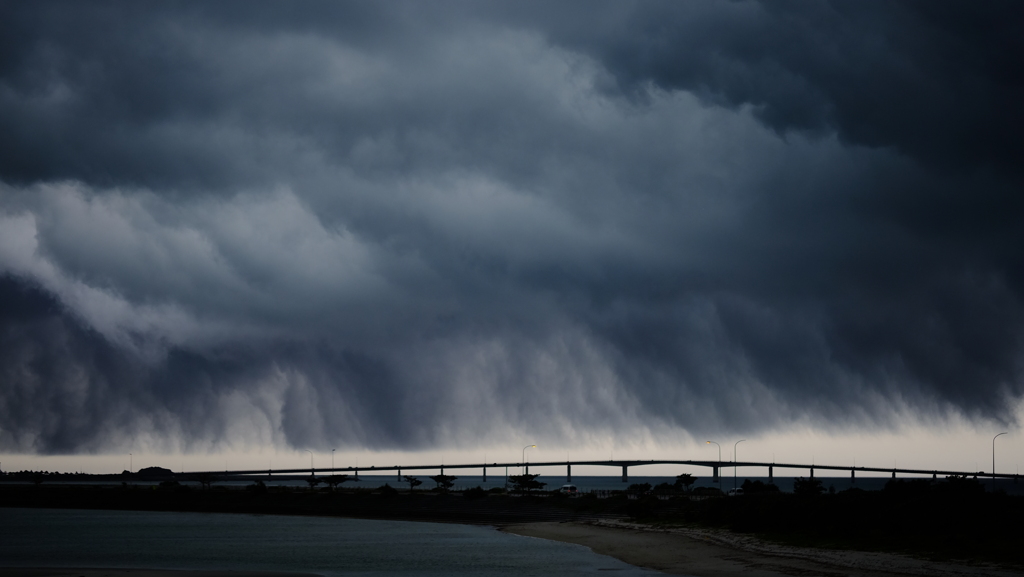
(715, 466)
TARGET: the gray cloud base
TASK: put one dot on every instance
(400, 226)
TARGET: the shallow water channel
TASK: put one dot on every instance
(328, 546)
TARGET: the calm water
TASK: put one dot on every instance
(329, 546)
(588, 483)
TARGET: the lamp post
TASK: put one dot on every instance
(312, 471)
(734, 459)
(527, 467)
(719, 457)
(994, 460)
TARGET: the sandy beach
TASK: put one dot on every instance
(711, 553)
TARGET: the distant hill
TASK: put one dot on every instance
(155, 472)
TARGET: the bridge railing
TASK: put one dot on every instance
(624, 465)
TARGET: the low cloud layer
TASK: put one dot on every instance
(405, 225)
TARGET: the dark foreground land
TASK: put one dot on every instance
(121, 572)
(945, 520)
(475, 508)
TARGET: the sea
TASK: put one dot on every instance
(322, 545)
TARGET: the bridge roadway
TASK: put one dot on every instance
(624, 464)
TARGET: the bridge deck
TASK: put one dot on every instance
(610, 463)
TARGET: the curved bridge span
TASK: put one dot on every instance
(624, 465)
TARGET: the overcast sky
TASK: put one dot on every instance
(397, 226)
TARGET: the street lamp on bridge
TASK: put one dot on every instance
(994, 460)
(527, 467)
(734, 459)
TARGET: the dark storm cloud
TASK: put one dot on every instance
(406, 224)
(936, 80)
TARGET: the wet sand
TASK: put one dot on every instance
(72, 572)
(709, 553)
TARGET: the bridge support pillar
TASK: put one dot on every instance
(625, 477)
(357, 474)
(894, 473)
(399, 475)
(935, 476)
(853, 476)
(568, 473)
(485, 473)
(714, 474)
(771, 477)
(812, 472)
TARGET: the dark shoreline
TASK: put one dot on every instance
(355, 503)
(138, 572)
(938, 521)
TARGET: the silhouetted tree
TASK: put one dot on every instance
(413, 482)
(685, 481)
(639, 488)
(664, 489)
(313, 481)
(206, 479)
(908, 487)
(444, 482)
(526, 482)
(807, 487)
(754, 487)
(334, 480)
(963, 485)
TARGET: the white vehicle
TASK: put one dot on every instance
(569, 490)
